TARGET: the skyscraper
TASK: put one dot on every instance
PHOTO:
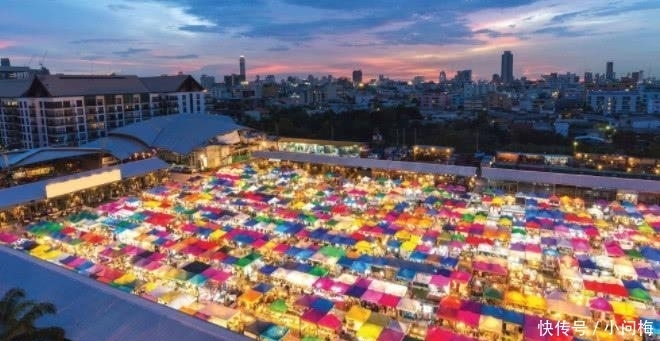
(357, 76)
(507, 67)
(609, 73)
(241, 65)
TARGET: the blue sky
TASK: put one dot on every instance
(399, 39)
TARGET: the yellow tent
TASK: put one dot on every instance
(358, 314)
(151, 204)
(514, 297)
(624, 309)
(408, 246)
(402, 235)
(363, 246)
(250, 296)
(536, 302)
(217, 234)
(497, 201)
(602, 224)
(125, 279)
(369, 332)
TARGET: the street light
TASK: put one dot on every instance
(575, 145)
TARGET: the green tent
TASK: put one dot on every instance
(493, 294)
(279, 306)
(331, 251)
(467, 217)
(458, 237)
(519, 231)
(633, 253)
(639, 295)
(318, 271)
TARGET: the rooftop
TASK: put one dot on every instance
(180, 133)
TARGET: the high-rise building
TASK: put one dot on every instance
(463, 77)
(609, 73)
(65, 110)
(443, 77)
(357, 76)
(207, 81)
(241, 66)
(507, 67)
(588, 78)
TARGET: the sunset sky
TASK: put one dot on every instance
(399, 39)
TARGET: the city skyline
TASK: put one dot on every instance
(399, 40)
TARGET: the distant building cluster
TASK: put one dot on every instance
(554, 101)
(39, 110)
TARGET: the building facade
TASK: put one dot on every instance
(62, 110)
(507, 67)
(614, 102)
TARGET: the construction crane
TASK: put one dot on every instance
(41, 61)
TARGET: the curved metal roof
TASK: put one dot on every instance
(180, 133)
(37, 155)
(121, 147)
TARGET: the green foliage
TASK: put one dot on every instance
(395, 123)
(18, 316)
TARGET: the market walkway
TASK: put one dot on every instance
(89, 310)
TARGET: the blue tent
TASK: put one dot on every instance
(267, 269)
(514, 317)
(263, 287)
(650, 253)
(406, 274)
(493, 311)
(355, 291)
(359, 266)
(322, 304)
(345, 262)
(418, 256)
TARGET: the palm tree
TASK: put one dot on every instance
(18, 316)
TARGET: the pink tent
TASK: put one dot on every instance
(331, 322)
(614, 249)
(7, 238)
(437, 333)
(312, 316)
(580, 245)
(439, 281)
(460, 276)
(600, 304)
(372, 296)
(389, 300)
(391, 335)
(324, 283)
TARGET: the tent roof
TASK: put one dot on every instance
(89, 310)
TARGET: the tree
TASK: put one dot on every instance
(18, 316)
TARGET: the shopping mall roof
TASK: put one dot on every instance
(121, 147)
(34, 191)
(577, 180)
(420, 167)
(37, 155)
(180, 133)
(90, 310)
